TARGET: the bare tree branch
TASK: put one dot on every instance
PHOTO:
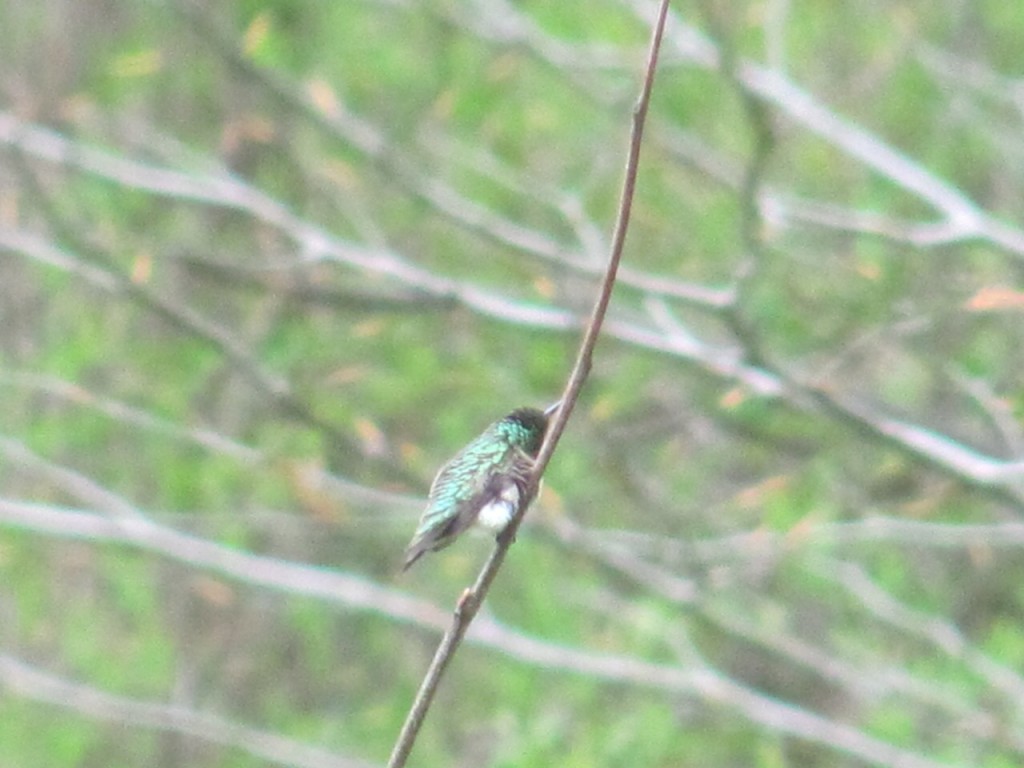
(944, 635)
(33, 683)
(861, 682)
(352, 592)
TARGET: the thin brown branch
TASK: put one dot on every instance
(471, 600)
(749, 190)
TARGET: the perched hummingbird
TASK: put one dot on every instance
(483, 483)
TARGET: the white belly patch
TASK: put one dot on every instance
(495, 515)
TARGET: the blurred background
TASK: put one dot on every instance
(265, 266)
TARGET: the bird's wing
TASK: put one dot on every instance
(457, 493)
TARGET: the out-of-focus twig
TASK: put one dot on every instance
(354, 593)
(30, 682)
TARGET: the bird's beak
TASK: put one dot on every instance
(550, 410)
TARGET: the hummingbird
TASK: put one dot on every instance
(483, 484)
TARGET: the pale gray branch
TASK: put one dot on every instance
(353, 592)
(933, 629)
(30, 682)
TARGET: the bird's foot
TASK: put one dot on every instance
(505, 536)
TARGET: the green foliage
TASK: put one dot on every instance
(23, 728)
(1006, 641)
